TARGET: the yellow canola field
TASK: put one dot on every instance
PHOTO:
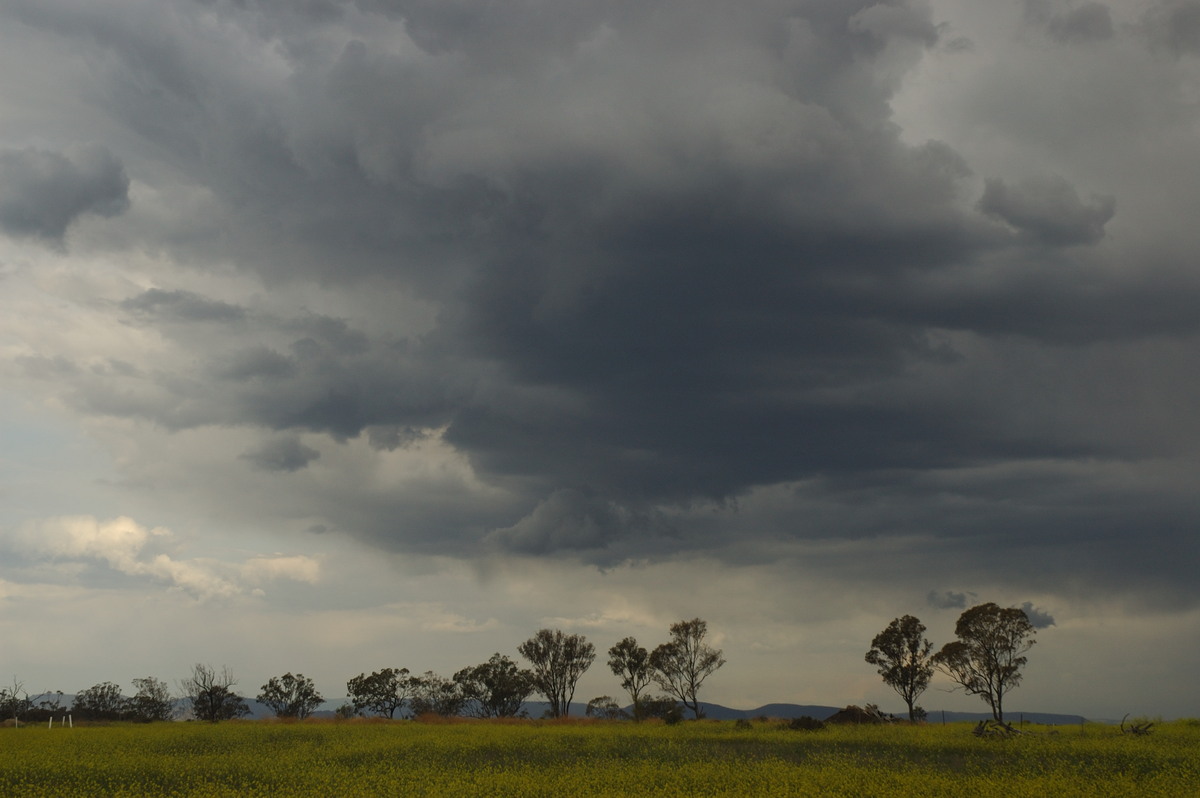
(537, 758)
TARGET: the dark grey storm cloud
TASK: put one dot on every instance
(181, 306)
(390, 437)
(1048, 211)
(949, 599)
(571, 519)
(281, 454)
(1038, 617)
(43, 192)
(1174, 25)
(678, 252)
(1072, 24)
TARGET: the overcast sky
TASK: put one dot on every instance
(338, 335)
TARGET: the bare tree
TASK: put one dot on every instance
(682, 664)
(987, 658)
(290, 696)
(14, 701)
(902, 655)
(631, 663)
(382, 692)
(211, 694)
(558, 661)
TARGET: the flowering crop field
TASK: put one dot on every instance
(583, 758)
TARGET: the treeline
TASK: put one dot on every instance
(496, 688)
(986, 660)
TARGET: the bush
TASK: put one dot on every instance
(805, 723)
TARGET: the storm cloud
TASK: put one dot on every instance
(42, 192)
(652, 279)
(282, 454)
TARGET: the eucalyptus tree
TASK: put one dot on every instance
(290, 696)
(558, 661)
(631, 663)
(496, 688)
(683, 663)
(989, 654)
(902, 655)
(381, 692)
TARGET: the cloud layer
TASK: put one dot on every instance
(904, 289)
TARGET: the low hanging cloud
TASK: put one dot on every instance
(42, 192)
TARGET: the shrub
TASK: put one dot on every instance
(805, 723)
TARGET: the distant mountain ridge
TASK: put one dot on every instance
(788, 711)
(535, 709)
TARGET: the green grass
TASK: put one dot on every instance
(536, 758)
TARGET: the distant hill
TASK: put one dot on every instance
(782, 711)
(536, 709)
(786, 711)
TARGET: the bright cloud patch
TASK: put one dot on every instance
(126, 547)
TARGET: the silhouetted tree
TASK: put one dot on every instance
(558, 661)
(631, 663)
(151, 702)
(683, 663)
(290, 696)
(14, 701)
(496, 688)
(435, 695)
(211, 694)
(662, 707)
(99, 702)
(987, 658)
(605, 708)
(382, 692)
(902, 655)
